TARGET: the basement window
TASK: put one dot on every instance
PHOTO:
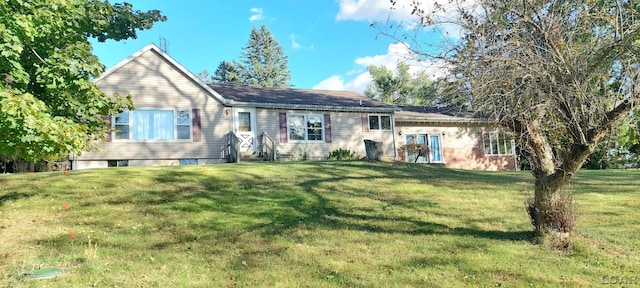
(117, 163)
(189, 161)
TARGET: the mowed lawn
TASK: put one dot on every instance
(308, 224)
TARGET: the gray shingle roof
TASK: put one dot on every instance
(298, 98)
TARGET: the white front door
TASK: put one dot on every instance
(244, 124)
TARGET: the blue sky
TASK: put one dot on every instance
(329, 43)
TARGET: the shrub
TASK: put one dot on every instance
(342, 154)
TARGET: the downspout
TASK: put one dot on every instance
(515, 156)
(393, 130)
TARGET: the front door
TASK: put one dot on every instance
(244, 124)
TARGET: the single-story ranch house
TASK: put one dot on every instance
(180, 120)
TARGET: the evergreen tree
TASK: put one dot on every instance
(227, 72)
(263, 62)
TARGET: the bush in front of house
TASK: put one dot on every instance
(342, 154)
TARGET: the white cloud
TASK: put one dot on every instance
(358, 84)
(257, 14)
(334, 82)
(398, 52)
(294, 44)
(442, 11)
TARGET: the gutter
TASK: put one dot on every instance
(444, 121)
(312, 107)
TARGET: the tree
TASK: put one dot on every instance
(48, 103)
(227, 72)
(204, 76)
(629, 138)
(558, 75)
(401, 87)
(263, 62)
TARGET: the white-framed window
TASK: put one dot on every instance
(433, 140)
(152, 124)
(305, 127)
(379, 122)
(496, 144)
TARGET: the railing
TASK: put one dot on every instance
(268, 147)
(234, 147)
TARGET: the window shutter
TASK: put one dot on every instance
(110, 128)
(283, 127)
(195, 125)
(365, 122)
(327, 128)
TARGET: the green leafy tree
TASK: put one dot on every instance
(49, 105)
(227, 72)
(400, 87)
(558, 75)
(630, 136)
(263, 62)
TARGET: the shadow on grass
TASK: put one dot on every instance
(320, 199)
(223, 202)
(12, 196)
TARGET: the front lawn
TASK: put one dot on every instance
(308, 224)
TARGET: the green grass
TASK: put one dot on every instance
(308, 224)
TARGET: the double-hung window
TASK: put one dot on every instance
(497, 144)
(305, 127)
(379, 122)
(156, 124)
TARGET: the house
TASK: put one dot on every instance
(457, 139)
(180, 120)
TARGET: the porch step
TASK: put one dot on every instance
(250, 157)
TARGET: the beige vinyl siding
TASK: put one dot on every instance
(346, 133)
(156, 83)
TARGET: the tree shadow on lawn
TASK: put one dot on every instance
(12, 196)
(308, 203)
(268, 207)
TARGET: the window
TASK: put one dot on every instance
(434, 144)
(379, 122)
(435, 155)
(306, 127)
(153, 125)
(117, 163)
(188, 161)
(497, 144)
(244, 121)
(416, 139)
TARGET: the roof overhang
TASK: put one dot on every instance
(314, 107)
(441, 121)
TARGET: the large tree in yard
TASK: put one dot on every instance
(557, 74)
(49, 105)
